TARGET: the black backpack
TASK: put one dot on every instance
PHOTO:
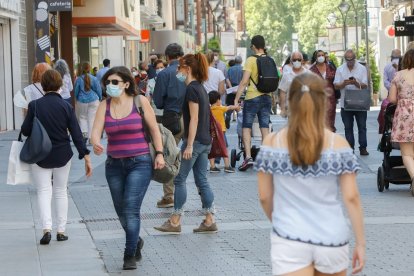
(268, 74)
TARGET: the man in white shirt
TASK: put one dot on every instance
(352, 75)
(289, 73)
(215, 81)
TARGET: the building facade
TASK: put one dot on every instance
(13, 60)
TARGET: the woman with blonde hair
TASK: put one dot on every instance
(88, 94)
(302, 171)
(193, 70)
(34, 90)
(216, 79)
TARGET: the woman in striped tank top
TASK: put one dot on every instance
(128, 168)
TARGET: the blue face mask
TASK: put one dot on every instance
(181, 77)
(113, 91)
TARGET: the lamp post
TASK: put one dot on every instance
(344, 8)
(366, 36)
(356, 25)
(217, 12)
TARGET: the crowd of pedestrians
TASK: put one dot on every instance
(304, 169)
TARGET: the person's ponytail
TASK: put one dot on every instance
(305, 134)
(202, 73)
(85, 72)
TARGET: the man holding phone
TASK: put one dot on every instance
(352, 75)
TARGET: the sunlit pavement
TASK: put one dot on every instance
(240, 248)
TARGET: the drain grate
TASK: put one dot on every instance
(162, 215)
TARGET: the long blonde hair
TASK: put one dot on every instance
(306, 125)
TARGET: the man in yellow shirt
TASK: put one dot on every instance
(255, 103)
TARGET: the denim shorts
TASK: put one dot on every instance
(260, 106)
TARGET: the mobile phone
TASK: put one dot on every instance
(351, 78)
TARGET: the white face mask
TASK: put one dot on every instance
(135, 73)
(395, 61)
(297, 64)
(321, 59)
(216, 58)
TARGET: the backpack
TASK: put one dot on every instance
(268, 77)
(172, 154)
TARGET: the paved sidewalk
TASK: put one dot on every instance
(240, 248)
(20, 232)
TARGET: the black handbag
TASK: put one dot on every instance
(38, 145)
(172, 121)
(357, 100)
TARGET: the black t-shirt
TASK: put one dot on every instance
(197, 94)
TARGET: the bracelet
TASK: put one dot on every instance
(159, 152)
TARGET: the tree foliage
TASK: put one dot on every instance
(276, 20)
(375, 75)
(273, 19)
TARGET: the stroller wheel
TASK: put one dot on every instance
(233, 158)
(380, 179)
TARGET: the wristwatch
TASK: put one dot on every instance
(159, 152)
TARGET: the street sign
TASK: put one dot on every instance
(404, 28)
(60, 5)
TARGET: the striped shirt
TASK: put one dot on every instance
(126, 135)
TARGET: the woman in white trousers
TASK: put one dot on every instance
(57, 117)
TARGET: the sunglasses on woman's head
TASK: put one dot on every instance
(114, 82)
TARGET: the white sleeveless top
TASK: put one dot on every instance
(306, 201)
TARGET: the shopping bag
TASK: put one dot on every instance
(357, 100)
(18, 172)
(218, 144)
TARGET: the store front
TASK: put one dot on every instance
(10, 12)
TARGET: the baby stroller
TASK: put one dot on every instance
(256, 134)
(392, 169)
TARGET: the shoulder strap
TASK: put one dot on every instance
(138, 105)
(258, 69)
(38, 89)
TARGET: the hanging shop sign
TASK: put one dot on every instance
(60, 5)
(10, 5)
(404, 28)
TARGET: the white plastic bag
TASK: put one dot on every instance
(20, 101)
(18, 172)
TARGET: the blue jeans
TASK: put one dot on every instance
(128, 180)
(361, 120)
(198, 163)
(260, 106)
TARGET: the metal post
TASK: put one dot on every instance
(366, 35)
(205, 3)
(191, 3)
(345, 34)
(356, 26)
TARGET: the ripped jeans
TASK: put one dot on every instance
(198, 163)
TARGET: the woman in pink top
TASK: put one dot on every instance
(129, 165)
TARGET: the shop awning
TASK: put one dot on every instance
(103, 26)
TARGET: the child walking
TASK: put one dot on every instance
(219, 112)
